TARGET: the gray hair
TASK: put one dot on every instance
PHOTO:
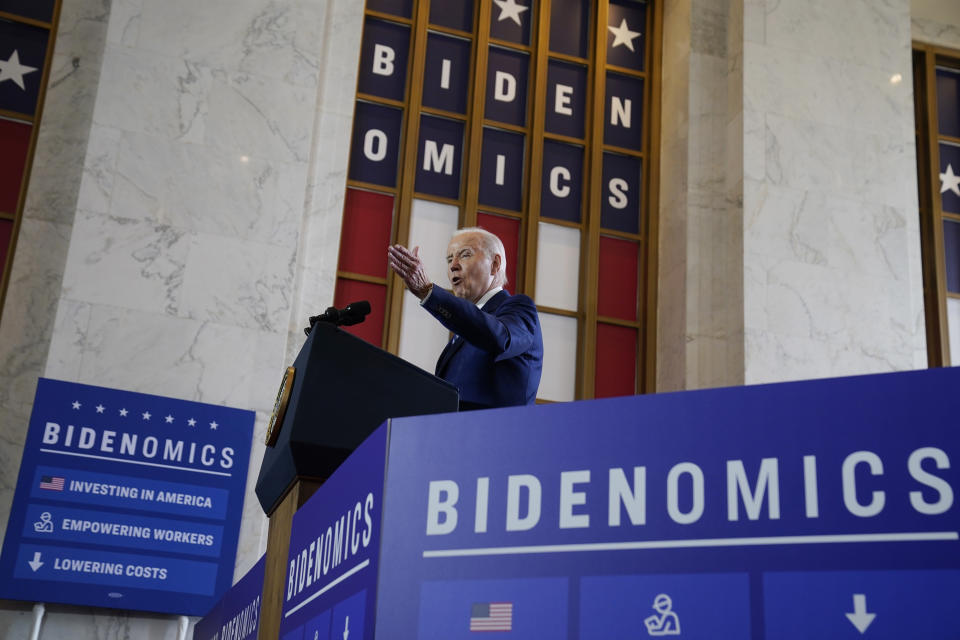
(492, 246)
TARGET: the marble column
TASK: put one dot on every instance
(700, 311)
(180, 247)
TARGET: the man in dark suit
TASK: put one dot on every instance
(496, 355)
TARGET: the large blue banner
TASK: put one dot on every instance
(126, 500)
(821, 509)
(331, 581)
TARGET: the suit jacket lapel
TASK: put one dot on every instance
(446, 354)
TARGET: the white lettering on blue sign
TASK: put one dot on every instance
(438, 160)
(627, 492)
(445, 73)
(504, 87)
(620, 111)
(89, 439)
(244, 624)
(562, 99)
(335, 545)
(618, 193)
(560, 191)
(383, 57)
(375, 145)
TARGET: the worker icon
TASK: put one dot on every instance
(45, 524)
(666, 622)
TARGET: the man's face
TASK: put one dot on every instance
(469, 269)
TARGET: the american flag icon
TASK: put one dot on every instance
(491, 616)
(52, 483)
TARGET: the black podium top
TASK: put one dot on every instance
(343, 389)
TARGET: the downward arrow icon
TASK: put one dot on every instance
(346, 628)
(860, 618)
(35, 563)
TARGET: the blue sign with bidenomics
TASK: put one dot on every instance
(126, 500)
(821, 509)
(332, 567)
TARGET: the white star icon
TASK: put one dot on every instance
(11, 69)
(169, 419)
(100, 408)
(623, 36)
(76, 405)
(510, 10)
(146, 415)
(123, 413)
(949, 181)
(192, 422)
(214, 425)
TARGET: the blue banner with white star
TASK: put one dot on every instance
(23, 49)
(126, 500)
(626, 31)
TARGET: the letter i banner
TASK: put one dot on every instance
(126, 500)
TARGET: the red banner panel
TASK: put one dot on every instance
(367, 220)
(348, 291)
(14, 142)
(619, 273)
(508, 230)
(616, 361)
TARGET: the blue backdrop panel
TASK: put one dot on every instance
(506, 98)
(698, 606)
(623, 120)
(456, 14)
(896, 604)
(36, 9)
(440, 157)
(626, 34)
(383, 59)
(375, 148)
(949, 169)
(23, 49)
(126, 500)
(570, 26)
(539, 608)
(446, 73)
(566, 98)
(561, 181)
(334, 546)
(501, 169)
(749, 509)
(622, 184)
(511, 20)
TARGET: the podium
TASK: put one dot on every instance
(343, 389)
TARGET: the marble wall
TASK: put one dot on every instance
(831, 259)
(789, 243)
(184, 219)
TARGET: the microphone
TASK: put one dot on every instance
(353, 313)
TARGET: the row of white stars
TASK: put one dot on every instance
(146, 415)
(622, 35)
